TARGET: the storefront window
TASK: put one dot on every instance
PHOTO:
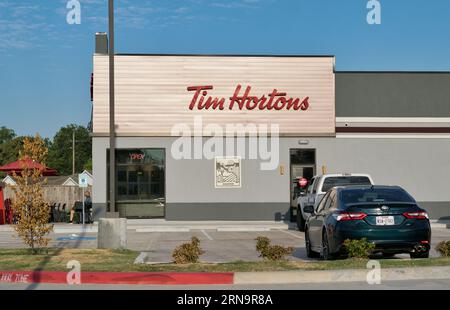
(140, 174)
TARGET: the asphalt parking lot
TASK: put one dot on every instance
(232, 246)
(219, 246)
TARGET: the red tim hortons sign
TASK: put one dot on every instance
(245, 100)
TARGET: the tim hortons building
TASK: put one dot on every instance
(227, 137)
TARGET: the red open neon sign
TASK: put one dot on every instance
(137, 156)
(273, 101)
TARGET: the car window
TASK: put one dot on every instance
(316, 184)
(334, 202)
(322, 203)
(331, 182)
(330, 201)
(375, 196)
(310, 187)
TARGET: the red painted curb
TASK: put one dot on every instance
(158, 278)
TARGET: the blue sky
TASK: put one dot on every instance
(45, 63)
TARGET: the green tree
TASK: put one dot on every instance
(9, 149)
(6, 134)
(88, 165)
(6, 150)
(60, 151)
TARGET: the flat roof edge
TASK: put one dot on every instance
(228, 55)
(396, 72)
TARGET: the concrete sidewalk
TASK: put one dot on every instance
(161, 225)
(336, 276)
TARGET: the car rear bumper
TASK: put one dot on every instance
(400, 247)
(389, 240)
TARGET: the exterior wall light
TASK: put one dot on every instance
(303, 142)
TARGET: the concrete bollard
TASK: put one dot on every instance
(112, 233)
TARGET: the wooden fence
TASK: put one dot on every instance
(56, 194)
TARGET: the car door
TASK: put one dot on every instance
(328, 208)
(323, 214)
(315, 223)
(329, 223)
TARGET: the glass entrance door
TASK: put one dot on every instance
(140, 183)
(302, 165)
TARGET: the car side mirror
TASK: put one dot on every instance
(308, 209)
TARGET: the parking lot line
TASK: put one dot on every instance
(206, 234)
(292, 234)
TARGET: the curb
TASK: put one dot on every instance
(335, 276)
(440, 226)
(75, 229)
(137, 278)
(227, 278)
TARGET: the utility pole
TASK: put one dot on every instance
(73, 152)
(112, 141)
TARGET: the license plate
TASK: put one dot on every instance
(385, 220)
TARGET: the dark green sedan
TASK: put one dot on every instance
(385, 215)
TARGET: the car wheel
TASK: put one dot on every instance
(425, 254)
(325, 254)
(300, 220)
(309, 252)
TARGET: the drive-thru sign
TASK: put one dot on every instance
(82, 180)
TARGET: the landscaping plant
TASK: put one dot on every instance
(28, 204)
(271, 252)
(443, 248)
(358, 248)
(188, 252)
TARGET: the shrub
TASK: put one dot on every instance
(359, 248)
(443, 248)
(188, 252)
(262, 243)
(271, 252)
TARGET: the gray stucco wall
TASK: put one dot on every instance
(417, 164)
(391, 94)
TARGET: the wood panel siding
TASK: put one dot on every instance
(152, 96)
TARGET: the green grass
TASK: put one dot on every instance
(123, 260)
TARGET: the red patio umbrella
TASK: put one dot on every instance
(17, 167)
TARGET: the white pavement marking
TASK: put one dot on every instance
(206, 234)
(292, 234)
(141, 258)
